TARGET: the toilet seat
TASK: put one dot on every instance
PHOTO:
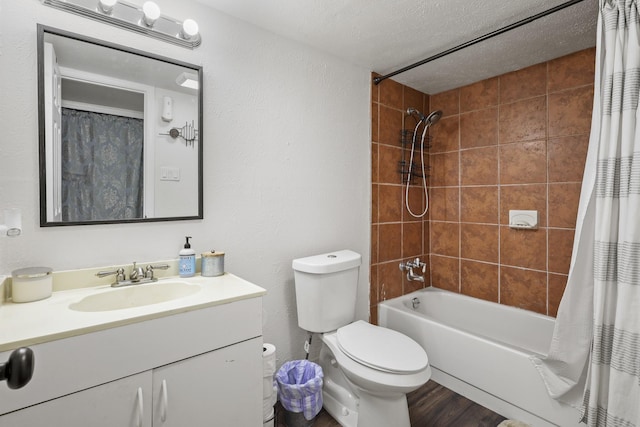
(381, 349)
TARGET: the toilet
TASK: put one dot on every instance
(368, 369)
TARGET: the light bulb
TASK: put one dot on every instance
(151, 13)
(189, 29)
(107, 5)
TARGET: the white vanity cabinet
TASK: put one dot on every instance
(123, 403)
(201, 367)
(189, 393)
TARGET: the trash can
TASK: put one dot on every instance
(300, 392)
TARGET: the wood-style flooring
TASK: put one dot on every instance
(432, 405)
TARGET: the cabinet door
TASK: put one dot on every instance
(122, 403)
(222, 388)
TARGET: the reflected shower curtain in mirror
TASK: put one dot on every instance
(598, 325)
(102, 172)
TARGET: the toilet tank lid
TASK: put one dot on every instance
(328, 263)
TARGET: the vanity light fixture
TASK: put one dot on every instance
(187, 80)
(145, 19)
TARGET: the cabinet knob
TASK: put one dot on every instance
(18, 370)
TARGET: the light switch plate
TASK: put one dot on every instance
(169, 173)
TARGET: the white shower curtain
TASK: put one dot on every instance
(595, 350)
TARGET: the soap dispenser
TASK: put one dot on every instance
(187, 262)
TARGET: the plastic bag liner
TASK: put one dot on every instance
(300, 387)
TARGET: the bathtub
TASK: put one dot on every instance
(481, 350)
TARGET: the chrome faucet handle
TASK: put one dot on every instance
(136, 274)
(119, 273)
(148, 273)
(410, 265)
(417, 263)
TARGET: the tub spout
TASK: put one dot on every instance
(413, 276)
(410, 265)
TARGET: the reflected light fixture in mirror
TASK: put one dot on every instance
(145, 19)
(188, 80)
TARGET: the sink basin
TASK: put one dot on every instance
(135, 296)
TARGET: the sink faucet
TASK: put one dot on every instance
(410, 265)
(137, 273)
(136, 276)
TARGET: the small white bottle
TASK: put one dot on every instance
(187, 262)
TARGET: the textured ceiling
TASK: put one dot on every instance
(384, 35)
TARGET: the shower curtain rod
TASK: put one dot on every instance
(487, 36)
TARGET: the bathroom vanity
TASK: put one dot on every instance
(194, 359)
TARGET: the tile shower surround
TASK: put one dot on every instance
(516, 141)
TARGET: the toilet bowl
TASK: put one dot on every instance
(368, 369)
(368, 372)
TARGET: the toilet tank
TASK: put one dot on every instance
(326, 287)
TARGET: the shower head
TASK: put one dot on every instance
(428, 120)
(433, 118)
(413, 112)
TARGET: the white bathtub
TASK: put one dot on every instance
(481, 350)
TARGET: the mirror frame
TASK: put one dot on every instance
(41, 31)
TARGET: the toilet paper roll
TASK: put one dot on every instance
(268, 388)
(268, 359)
(267, 409)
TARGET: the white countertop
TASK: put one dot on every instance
(23, 324)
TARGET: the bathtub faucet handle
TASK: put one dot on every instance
(418, 263)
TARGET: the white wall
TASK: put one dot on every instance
(175, 198)
(286, 155)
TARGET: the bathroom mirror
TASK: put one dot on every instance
(120, 133)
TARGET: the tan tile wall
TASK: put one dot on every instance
(395, 234)
(517, 141)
